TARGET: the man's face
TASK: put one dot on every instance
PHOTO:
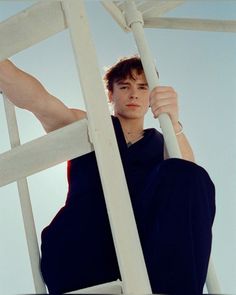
(130, 97)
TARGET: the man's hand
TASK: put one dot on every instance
(164, 99)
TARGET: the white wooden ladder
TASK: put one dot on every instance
(48, 18)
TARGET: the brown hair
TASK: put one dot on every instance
(122, 69)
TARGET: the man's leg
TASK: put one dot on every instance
(175, 226)
(77, 249)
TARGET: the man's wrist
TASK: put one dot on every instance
(178, 128)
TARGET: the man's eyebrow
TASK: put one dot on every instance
(128, 83)
(143, 84)
(122, 83)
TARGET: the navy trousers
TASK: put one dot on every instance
(174, 216)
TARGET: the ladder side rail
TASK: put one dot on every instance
(134, 20)
(44, 152)
(26, 208)
(212, 282)
(124, 230)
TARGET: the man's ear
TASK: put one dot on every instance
(110, 96)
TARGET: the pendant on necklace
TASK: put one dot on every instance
(129, 144)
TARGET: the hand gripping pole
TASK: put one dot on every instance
(134, 20)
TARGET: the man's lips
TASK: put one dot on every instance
(132, 105)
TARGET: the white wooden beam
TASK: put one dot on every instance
(191, 24)
(30, 26)
(150, 8)
(146, 6)
(125, 235)
(114, 287)
(56, 147)
(161, 8)
(212, 282)
(115, 13)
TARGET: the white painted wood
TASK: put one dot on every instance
(161, 7)
(134, 20)
(26, 208)
(145, 6)
(212, 282)
(152, 8)
(191, 24)
(115, 13)
(34, 25)
(30, 26)
(114, 287)
(56, 147)
(149, 8)
(125, 235)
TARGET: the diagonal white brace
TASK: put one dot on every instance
(116, 14)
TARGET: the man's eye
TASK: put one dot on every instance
(123, 87)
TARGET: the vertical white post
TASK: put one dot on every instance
(26, 208)
(212, 282)
(135, 22)
(128, 249)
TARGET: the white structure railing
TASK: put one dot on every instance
(48, 18)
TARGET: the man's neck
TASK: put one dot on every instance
(131, 126)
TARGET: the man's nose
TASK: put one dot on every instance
(133, 93)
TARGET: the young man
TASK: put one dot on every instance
(173, 200)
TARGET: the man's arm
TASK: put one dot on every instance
(163, 99)
(185, 148)
(26, 92)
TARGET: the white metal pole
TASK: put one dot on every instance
(135, 22)
(26, 207)
(125, 235)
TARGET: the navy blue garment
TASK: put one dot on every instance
(174, 207)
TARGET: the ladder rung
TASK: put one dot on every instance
(114, 287)
(42, 153)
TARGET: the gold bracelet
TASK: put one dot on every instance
(181, 129)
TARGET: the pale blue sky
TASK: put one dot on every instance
(201, 66)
